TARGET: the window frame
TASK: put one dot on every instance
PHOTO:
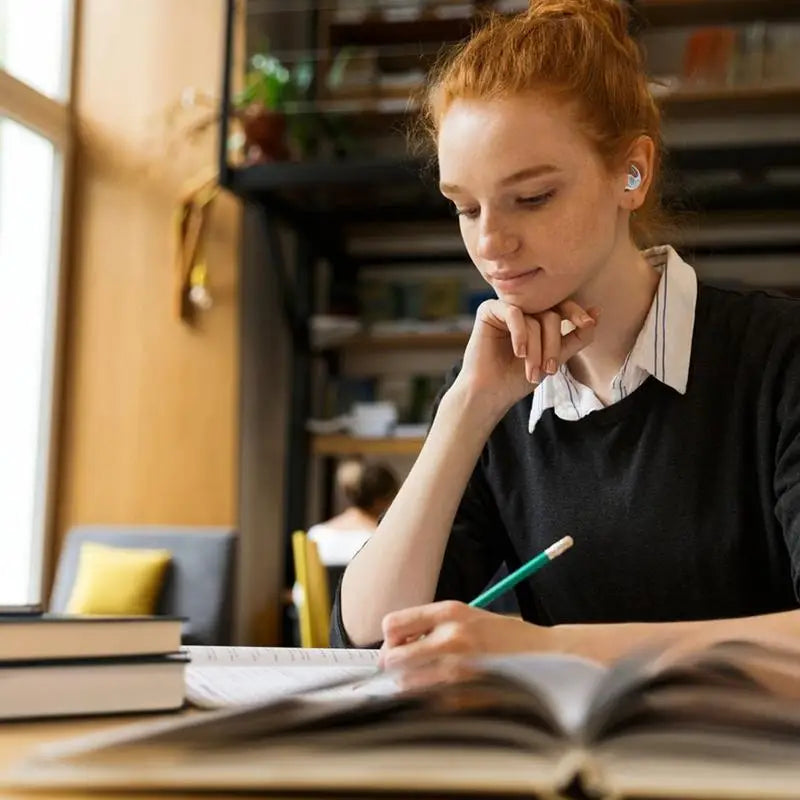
(54, 120)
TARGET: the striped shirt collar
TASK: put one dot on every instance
(662, 348)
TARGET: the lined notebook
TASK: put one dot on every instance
(222, 677)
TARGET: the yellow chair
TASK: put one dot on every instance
(314, 607)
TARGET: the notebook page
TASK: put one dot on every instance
(281, 656)
(220, 677)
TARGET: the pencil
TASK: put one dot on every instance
(534, 565)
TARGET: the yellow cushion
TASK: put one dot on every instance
(117, 580)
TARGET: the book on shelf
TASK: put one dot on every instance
(718, 721)
(330, 330)
(442, 298)
(28, 637)
(69, 687)
(408, 301)
(412, 395)
(410, 326)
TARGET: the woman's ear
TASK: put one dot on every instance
(637, 175)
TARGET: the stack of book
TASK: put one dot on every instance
(53, 665)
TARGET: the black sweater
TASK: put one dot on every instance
(682, 507)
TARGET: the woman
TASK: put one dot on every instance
(661, 432)
(368, 489)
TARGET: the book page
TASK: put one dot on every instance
(220, 677)
(734, 691)
(566, 683)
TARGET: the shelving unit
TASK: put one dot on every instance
(314, 196)
(316, 201)
(772, 99)
(342, 445)
(733, 102)
(428, 28)
(407, 341)
(668, 13)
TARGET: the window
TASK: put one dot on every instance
(35, 138)
(34, 45)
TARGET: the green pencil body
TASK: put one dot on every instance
(525, 571)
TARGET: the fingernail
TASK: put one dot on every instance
(551, 366)
(535, 375)
(586, 319)
(522, 352)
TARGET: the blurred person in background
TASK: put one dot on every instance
(368, 490)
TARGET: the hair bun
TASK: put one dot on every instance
(349, 476)
(610, 18)
(610, 14)
(364, 484)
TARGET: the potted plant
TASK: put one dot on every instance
(275, 107)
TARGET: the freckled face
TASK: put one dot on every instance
(537, 208)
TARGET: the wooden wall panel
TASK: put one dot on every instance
(150, 405)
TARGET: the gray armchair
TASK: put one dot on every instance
(200, 580)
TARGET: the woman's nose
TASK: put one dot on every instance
(496, 241)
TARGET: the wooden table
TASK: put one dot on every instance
(18, 739)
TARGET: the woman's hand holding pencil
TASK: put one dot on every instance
(417, 635)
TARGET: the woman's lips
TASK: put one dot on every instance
(510, 281)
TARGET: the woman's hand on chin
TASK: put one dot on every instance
(509, 352)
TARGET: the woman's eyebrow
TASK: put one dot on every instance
(529, 172)
(516, 177)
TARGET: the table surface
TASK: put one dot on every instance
(18, 739)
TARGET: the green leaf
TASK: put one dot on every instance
(303, 75)
(339, 65)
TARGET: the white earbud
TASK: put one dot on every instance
(634, 179)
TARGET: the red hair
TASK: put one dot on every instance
(577, 51)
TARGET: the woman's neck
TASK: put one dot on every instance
(623, 290)
(353, 517)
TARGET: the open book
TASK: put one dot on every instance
(722, 721)
(220, 677)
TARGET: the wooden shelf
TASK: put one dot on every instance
(375, 31)
(369, 111)
(743, 100)
(407, 341)
(280, 174)
(343, 445)
(397, 189)
(666, 13)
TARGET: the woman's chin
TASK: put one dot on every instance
(541, 294)
(528, 304)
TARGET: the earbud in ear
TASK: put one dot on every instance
(634, 180)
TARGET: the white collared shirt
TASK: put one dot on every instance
(662, 349)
